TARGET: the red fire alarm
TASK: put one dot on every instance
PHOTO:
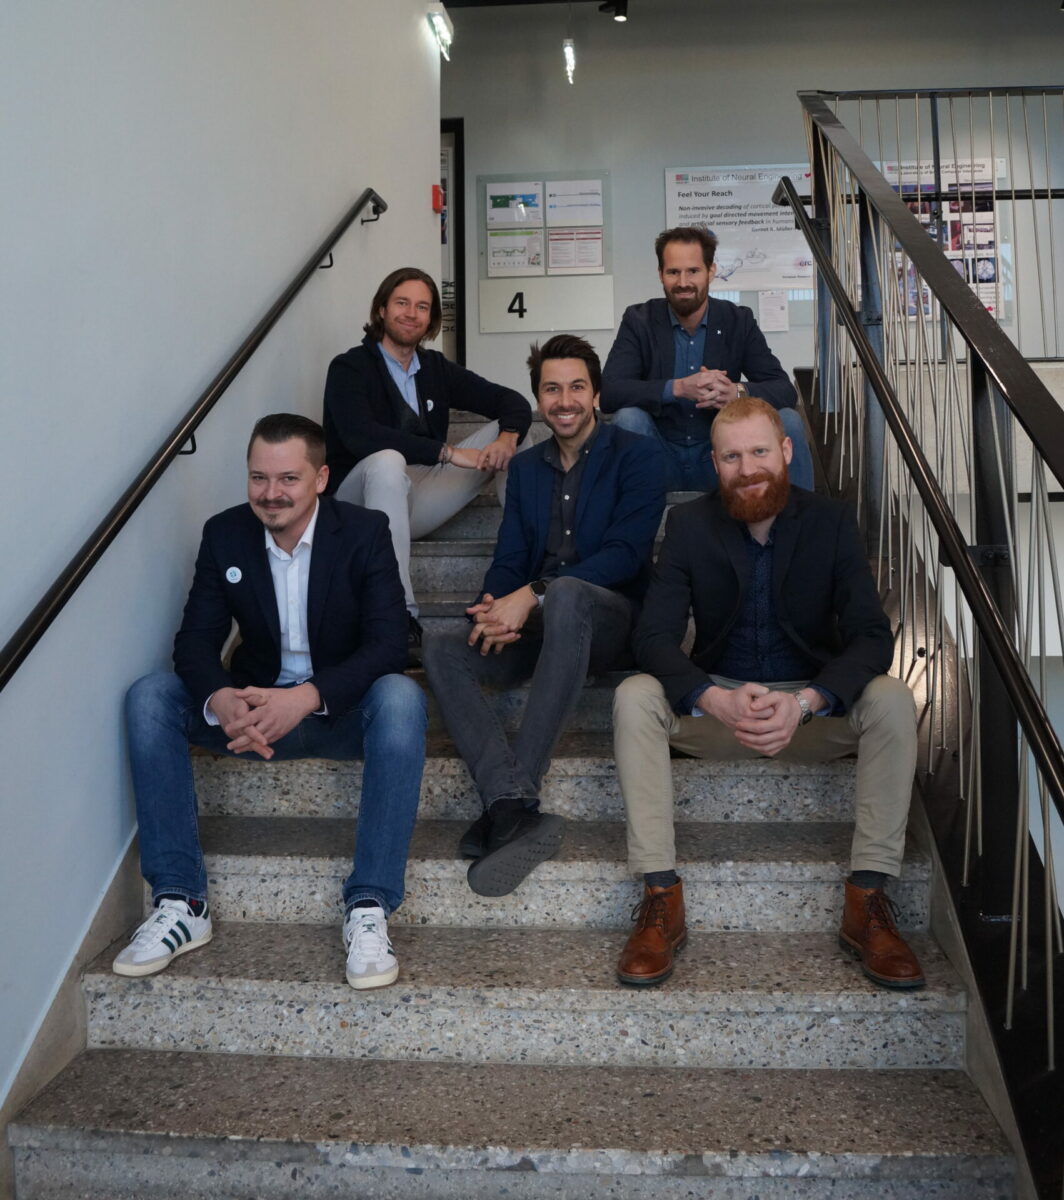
(437, 198)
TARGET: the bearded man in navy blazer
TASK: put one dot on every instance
(314, 589)
(571, 565)
(790, 655)
(677, 360)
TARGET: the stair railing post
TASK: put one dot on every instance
(998, 733)
(872, 448)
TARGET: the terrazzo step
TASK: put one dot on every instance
(533, 996)
(125, 1123)
(455, 566)
(581, 784)
(768, 876)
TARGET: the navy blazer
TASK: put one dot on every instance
(363, 407)
(822, 587)
(643, 356)
(618, 511)
(356, 615)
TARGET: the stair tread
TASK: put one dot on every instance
(705, 849)
(567, 969)
(418, 1114)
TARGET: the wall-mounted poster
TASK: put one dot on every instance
(574, 202)
(758, 248)
(515, 252)
(511, 205)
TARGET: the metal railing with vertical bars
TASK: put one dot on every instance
(936, 228)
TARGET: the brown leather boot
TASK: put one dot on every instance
(868, 932)
(660, 931)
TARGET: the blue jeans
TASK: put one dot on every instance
(689, 468)
(583, 626)
(387, 730)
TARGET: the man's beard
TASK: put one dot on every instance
(684, 306)
(753, 507)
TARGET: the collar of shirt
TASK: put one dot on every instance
(674, 320)
(552, 454)
(290, 574)
(403, 378)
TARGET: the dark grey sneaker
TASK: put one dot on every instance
(515, 847)
(474, 842)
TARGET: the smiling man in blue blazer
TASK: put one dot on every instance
(571, 565)
(313, 587)
(677, 360)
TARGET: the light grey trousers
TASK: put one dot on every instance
(418, 499)
(880, 728)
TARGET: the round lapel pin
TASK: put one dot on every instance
(234, 575)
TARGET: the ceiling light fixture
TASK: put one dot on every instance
(618, 9)
(569, 50)
(442, 27)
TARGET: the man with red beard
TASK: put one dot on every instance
(789, 658)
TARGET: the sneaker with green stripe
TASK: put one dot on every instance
(172, 929)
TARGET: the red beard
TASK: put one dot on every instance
(751, 508)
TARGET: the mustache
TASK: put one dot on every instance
(274, 503)
(755, 477)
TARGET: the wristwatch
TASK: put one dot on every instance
(803, 704)
(538, 587)
(741, 390)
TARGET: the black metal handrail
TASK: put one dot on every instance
(1038, 413)
(1029, 708)
(70, 578)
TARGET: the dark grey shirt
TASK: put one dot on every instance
(561, 537)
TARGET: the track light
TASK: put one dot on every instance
(569, 50)
(442, 27)
(617, 8)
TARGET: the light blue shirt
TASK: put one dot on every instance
(404, 380)
(689, 349)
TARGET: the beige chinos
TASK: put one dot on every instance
(880, 729)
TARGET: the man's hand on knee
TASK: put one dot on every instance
(497, 454)
(773, 718)
(499, 622)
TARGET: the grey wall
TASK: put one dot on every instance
(166, 169)
(686, 82)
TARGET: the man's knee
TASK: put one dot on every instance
(567, 600)
(155, 697)
(639, 701)
(397, 708)
(888, 700)
(386, 468)
(635, 420)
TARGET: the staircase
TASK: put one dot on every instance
(507, 1062)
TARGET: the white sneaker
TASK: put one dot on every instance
(370, 961)
(172, 929)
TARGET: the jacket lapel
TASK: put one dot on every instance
(785, 539)
(664, 340)
(596, 460)
(323, 558)
(260, 578)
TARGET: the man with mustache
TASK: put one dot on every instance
(571, 565)
(677, 361)
(313, 587)
(789, 658)
(387, 410)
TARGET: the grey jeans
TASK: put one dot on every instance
(583, 627)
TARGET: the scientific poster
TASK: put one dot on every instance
(512, 205)
(574, 251)
(964, 225)
(514, 252)
(574, 202)
(758, 247)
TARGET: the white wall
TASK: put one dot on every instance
(166, 169)
(686, 82)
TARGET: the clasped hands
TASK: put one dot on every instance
(497, 623)
(759, 718)
(707, 388)
(254, 717)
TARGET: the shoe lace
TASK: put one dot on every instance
(155, 928)
(651, 910)
(369, 937)
(882, 912)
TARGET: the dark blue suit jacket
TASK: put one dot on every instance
(643, 356)
(356, 615)
(622, 497)
(822, 589)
